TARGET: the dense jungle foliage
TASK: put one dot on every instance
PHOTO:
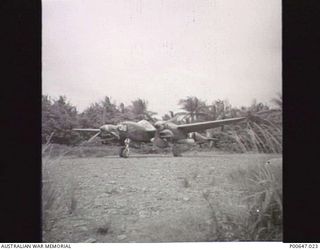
(262, 132)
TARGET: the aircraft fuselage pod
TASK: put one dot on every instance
(135, 131)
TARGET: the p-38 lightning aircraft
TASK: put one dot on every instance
(161, 134)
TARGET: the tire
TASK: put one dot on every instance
(176, 151)
(124, 152)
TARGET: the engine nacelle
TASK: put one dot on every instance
(166, 133)
(160, 143)
(197, 137)
(186, 141)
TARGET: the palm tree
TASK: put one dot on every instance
(139, 106)
(193, 106)
(140, 109)
(108, 109)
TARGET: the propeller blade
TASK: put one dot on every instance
(93, 137)
(115, 135)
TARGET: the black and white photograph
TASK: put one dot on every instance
(161, 121)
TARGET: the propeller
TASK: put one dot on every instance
(93, 137)
(97, 130)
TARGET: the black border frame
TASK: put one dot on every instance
(300, 77)
(20, 178)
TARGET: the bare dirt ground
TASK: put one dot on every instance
(145, 198)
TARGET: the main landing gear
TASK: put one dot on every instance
(124, 150)
(176, 151)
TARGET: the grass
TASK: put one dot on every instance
(56, 201)
(249, 206)
(59, 200)
(72, 206)
(260, 189)
(104, 227)
(254, 210)
(260, 136)
(52, 201)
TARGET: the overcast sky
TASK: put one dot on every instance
(161, 51)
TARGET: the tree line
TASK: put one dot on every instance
(59, 116)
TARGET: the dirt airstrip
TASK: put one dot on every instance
(145, 198)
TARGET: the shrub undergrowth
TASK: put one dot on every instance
(251, 208)
(56, 201)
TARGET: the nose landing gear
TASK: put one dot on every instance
(124, 151)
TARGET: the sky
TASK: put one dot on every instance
(161, 51)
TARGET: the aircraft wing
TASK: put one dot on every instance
(199, 126)
(87, 129)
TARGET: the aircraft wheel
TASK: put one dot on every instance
(176, 151)
(124, 152)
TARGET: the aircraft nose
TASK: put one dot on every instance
(104, 128)
(158, 125)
